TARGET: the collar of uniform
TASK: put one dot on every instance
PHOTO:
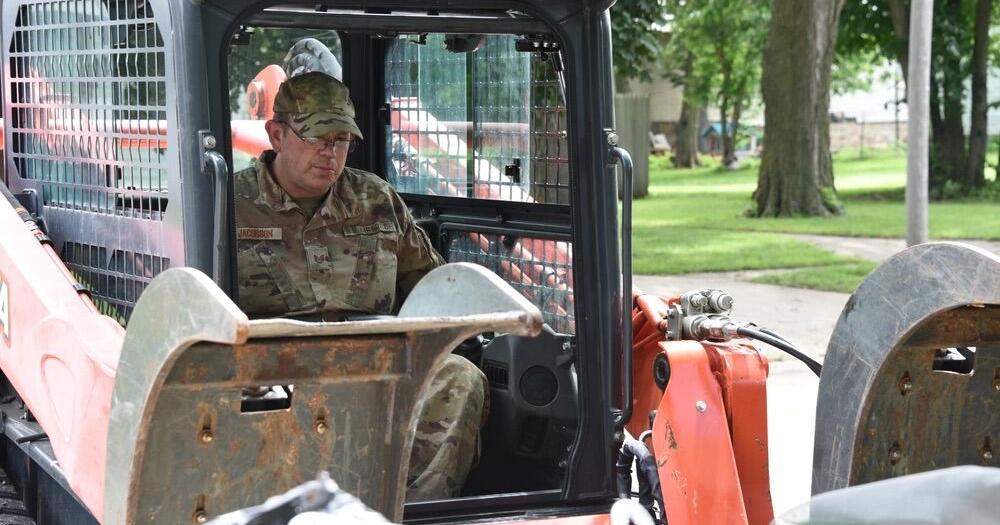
(271, 193)
(342, 201)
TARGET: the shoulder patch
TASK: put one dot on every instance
(258, 234)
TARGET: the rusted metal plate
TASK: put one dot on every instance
(205, 454)
(186, 443)
(883, 410)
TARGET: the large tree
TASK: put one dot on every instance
(960, 57)
(796, 171)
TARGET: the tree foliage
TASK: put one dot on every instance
(880, 28)
(718, 44)
(634, 39)
(852, 73)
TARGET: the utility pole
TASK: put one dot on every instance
(918, 102)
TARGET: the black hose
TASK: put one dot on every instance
(781, 344)
(774, 334)
(650, 491)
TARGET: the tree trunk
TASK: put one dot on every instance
(974, 176)
(899, 13)
(686, 143)
(729, 140)
(796, 171)
(936, 176)
(724, 134)
(947, 134)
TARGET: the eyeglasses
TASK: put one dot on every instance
(320, 144)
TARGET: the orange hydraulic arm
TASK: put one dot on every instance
(706, 405)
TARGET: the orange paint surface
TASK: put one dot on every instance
(709, 423)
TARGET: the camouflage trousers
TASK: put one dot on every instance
(446, 445)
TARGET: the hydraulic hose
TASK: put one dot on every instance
(774, 334)
(647, 475)
(780, 343)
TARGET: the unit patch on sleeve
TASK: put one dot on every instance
(4, 309)
(258, 234)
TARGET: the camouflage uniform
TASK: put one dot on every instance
(359, 252)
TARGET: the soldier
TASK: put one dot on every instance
(319, 239)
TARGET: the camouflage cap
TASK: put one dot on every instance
(318, 104)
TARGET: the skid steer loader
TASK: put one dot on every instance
(126, 360)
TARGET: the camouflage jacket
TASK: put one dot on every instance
(360, 251)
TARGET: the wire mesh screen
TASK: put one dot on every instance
(87, 124)
(119, 283)
(486, 124)
(540, 269)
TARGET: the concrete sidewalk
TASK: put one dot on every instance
(875, 249)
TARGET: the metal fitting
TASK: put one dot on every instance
(206, 436)
(701, 406)
(612, 139)
(697, 301)
(209, 142)
(711, 327)
(720, 302)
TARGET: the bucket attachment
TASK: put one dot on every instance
(186, 441)
(911, 379)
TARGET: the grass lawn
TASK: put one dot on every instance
(843, 277)
(694, 220)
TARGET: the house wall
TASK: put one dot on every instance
(664, 99)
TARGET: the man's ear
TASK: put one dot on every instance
(275, 133)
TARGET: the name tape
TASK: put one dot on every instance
(258, 234)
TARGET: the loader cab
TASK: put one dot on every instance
(471, 130)
(467, 114)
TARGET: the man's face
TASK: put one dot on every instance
(303, 169)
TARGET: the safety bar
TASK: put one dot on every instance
(216, 164)
(620, 154)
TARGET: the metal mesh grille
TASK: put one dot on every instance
(542, 270)
(488, 124)
(88, 123)
(115, 283)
